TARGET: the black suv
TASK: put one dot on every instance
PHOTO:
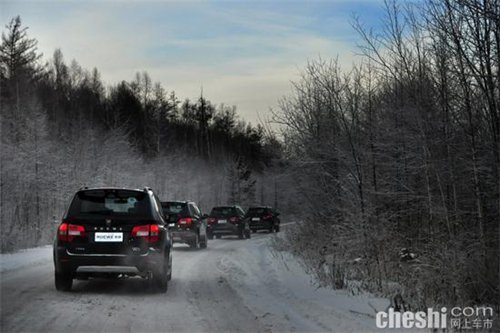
(263, 218)
(111, 232)
(186, 223)
(228, 220)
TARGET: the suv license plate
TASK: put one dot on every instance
(255, 219)
(108, 237)
(222, 221)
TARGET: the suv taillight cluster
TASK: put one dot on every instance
(67, 232)
(150, 231)
(185, 221)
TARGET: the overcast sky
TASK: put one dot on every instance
(242, 53)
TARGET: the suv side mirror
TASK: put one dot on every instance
(277, 214)
(204, 216)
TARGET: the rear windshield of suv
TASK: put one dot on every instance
(256, 211)
(223, 211)
(170, 207)
(110, 202)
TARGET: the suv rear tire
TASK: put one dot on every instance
(63, 282)
(169, 276)
(160, 278)
(196, 243)
(203, 243)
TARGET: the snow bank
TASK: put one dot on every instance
(282, 295)
(23, 258)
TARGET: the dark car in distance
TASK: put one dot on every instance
(186, 223)
(263, 218)
(111, 232)
(228, 220)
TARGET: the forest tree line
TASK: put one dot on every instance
(398, 158)
(62, 128)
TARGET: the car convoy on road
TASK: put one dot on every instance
(118, 232)
(186, 223)
(228, 220)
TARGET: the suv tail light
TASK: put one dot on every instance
(150, 231)
(67, 232)
(211, 220)
(185, 221)
(234, 219)
(154, 233)
(267, 216)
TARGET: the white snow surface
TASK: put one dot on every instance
(23, 258)
(233, 286)
(282, 296)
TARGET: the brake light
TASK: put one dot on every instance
(140, 231)
(211, 220)
(62, 233)
(154, 233)
(150, 231)
(267, 216)
(67, 232)
(233, 219)
(187, 221)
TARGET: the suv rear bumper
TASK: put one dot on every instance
(108, 269)
(226, 229)
(183, 236)
(261, 225)
(89, 264)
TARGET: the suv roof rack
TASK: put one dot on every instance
(84, 188)
(146, 188)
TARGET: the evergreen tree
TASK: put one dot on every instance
(18, 59)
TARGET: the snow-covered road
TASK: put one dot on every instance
(233, 286)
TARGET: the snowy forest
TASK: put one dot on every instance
(392, 166)
(62, 129)
(399, 158)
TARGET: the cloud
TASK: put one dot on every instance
(243, 54)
